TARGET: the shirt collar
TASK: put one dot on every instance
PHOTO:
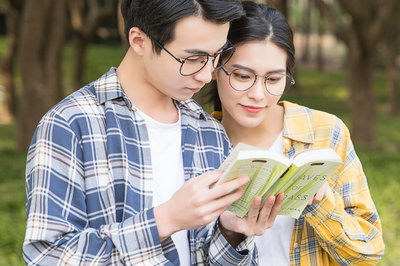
(108, 88)
(194, 108)
(298, 124)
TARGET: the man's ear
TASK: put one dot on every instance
(138, 40)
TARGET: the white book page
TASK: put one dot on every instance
(316, 155)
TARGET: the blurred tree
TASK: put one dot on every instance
(121, 26)
(305, 55)
(364, 26)
(86, 17)
(13, 12)
(320, 52)
(281, 5)
(392, 52)
(41, 43)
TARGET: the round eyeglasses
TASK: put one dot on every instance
(243, 79)
(195, 63)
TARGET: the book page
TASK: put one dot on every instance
(272, 173)
(262, 173)
(316, 155)
(306, 181)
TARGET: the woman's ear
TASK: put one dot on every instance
(137, 40)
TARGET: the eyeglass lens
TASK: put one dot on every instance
(275, 83)
(195, 63)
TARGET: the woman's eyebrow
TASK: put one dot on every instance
(243, 67)
(252, 70)
(276, 71)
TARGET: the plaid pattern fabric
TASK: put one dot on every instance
(89, 184)
(344, 228)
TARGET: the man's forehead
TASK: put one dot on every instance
(195, 34)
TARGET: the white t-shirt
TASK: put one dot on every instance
(168, 175)
(274, 245)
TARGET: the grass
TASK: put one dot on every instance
(324, 91)
(12, 198)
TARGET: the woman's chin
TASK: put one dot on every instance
(250, 122)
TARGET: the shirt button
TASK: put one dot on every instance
(308, 215)
(286, 141)
(296, 247)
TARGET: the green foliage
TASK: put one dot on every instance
(323, 91)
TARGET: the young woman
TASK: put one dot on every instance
(340, 225)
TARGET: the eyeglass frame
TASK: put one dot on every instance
(182, 61)
(292, 81)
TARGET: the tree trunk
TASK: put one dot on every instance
(86, 17)
(80, 45)
(320, 52)
(121, 27)
(362, 99)
(42, 40)
(13, 18)
(393, 81)
(7, 77)
(305, 57)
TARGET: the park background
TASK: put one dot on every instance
(348, 60)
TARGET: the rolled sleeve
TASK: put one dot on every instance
(222, 253)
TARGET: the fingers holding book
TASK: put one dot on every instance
(258, 219)
(269, 212)
(319, 195)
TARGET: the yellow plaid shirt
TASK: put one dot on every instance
(344, 228)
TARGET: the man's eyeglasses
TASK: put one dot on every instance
(275, 83)
(195, 63)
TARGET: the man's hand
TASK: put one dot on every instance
(319, 195)
(255, 222)
(197, 203)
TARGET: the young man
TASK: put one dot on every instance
(111, 171)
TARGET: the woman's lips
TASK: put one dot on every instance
(252, 109)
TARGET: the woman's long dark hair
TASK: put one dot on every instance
(260, 22)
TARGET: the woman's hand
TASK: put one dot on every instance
(255, 222)
(319, 195)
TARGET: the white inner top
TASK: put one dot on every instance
(274, 245)
(168, 175)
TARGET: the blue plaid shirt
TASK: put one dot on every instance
(89, 184)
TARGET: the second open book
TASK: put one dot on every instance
(271, 173)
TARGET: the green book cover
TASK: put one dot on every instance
(271, 173)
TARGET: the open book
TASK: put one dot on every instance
(271, 173)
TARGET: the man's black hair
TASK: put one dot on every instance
(157, 18)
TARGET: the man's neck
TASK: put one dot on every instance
(142, 93)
